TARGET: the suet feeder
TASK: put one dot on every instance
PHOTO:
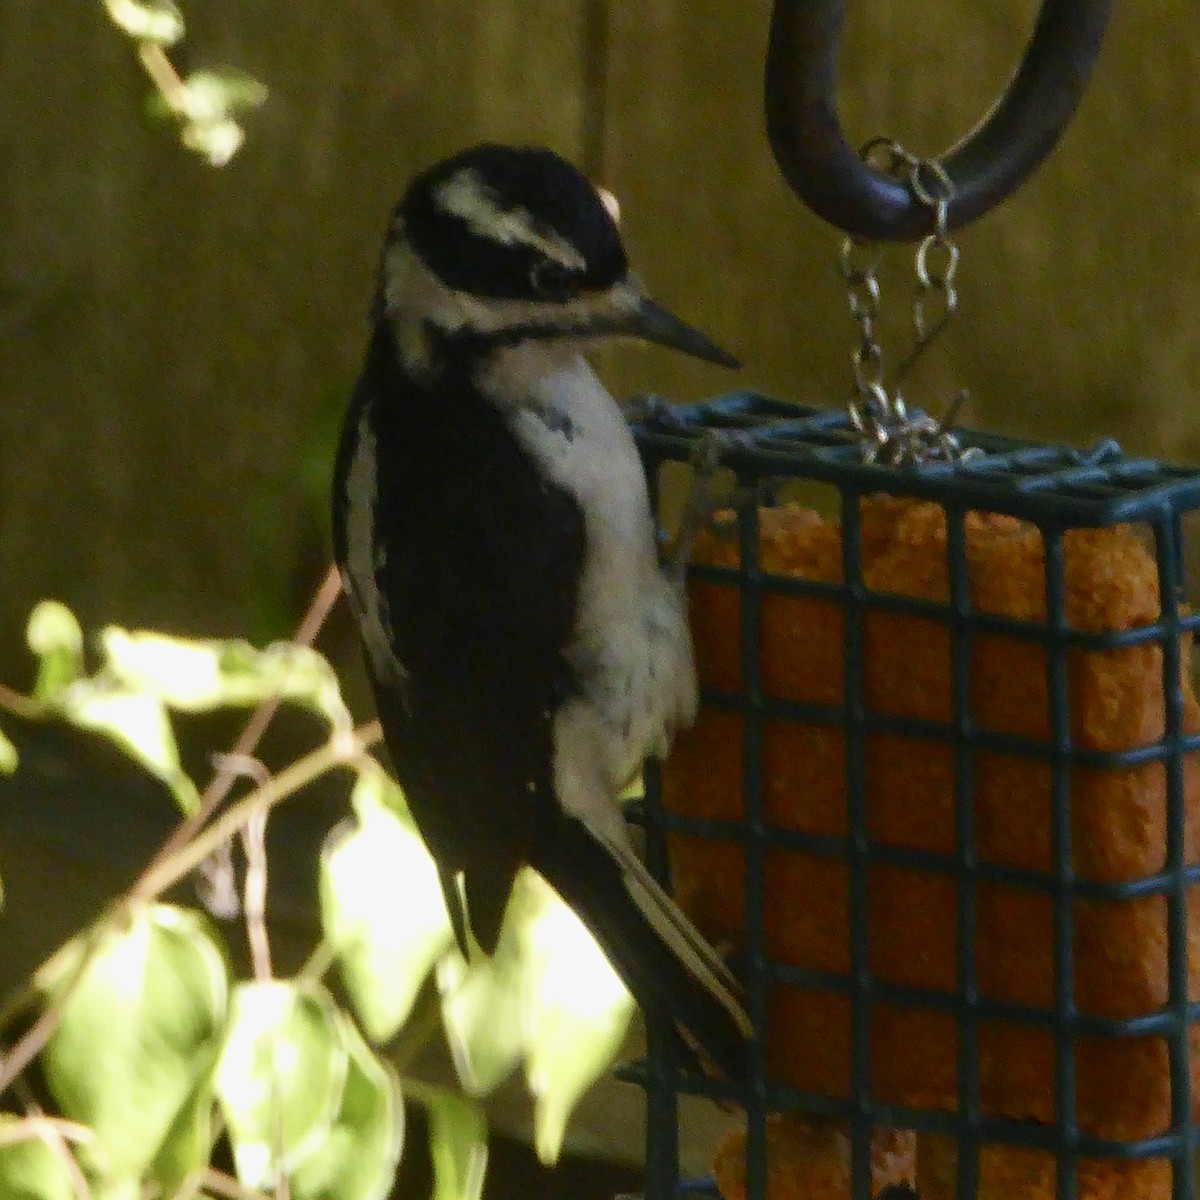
(943, 798)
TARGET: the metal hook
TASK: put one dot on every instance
(988, 164)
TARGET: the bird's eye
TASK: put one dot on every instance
(551, 280)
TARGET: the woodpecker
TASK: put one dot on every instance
(495, 538)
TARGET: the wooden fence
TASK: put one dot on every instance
(175, 340)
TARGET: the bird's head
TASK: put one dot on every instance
(501, 245)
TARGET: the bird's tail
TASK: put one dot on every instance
(664, 960)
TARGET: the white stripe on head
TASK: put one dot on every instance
(466, 195)
(413, 295)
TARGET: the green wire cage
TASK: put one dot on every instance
(1037, 1005)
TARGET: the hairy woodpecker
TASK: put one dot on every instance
(494, 534)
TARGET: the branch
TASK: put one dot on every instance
(222, 782)
(57, 1134)
(227, 1186)
(163, 874)
(254, 905)
(19, 705)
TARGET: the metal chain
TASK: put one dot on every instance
(936, 262)
(891, 432)
(870, 406)
(862, 290)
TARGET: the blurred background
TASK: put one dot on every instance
(177, 340)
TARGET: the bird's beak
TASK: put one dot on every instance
(642, 317)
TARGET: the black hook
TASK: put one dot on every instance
(1020, 130)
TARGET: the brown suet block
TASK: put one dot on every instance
(1118, 815)
(809, 1159)
(1017, 1173)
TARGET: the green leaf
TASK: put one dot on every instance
(216, 141)
(138, 723)
(8, 756)
(547, 995)
(117, 1189)
(200, 675)
(381, 906)
(30, 1168)
(281, 1077)
(215, 94)
(187, 1146)
(181, 672)
(457, 1143)
(54, 636)
(481, 1013)
(576, 1014)
(157, 21)
(358, 1158)
(141, 1027)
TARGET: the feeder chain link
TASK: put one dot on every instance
(937, 257)
(860, 271)
(892, 433)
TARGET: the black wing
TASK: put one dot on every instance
(478, 561)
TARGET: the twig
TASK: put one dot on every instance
(37, 1124)
(216, 876)
(187, 847)
(254, 903)
(247, 742)
(55, 1133)
(162, 874)
(318, 962)
(226, 1185)
(320, 608)
(22, 706)
(164, 77)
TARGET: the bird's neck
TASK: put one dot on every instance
(539, 372)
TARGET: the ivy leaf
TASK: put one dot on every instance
(381, 906)
(548, 996)
(138, 722)
(157, 21)
(216, 141)
(576, 1012)
(198, 675)
(187, 1146)
(140, 1029)
(457, 1143)
(54, 636)
(8, 756)
(210, 100)
(482, 1011)
(281, 1077)
(30, 1168)
(217, 93)
(357, 1160)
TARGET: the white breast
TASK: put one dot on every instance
(630, 646)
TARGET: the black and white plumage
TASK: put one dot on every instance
(493, 528)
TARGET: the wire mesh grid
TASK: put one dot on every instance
(768, 444)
